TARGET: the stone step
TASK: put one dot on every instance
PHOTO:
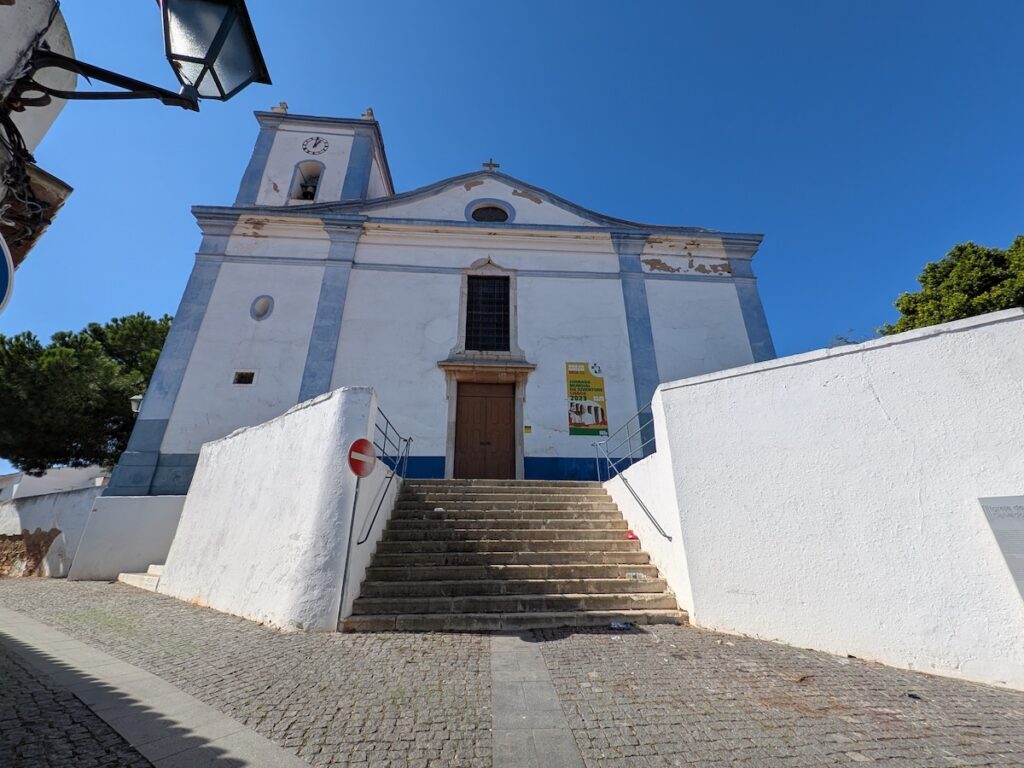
(507, 514)
(497, 622)
(460, 483)
(592, 494)
(409, 559)
(495, 523)
(147, 581)
(155, 570)
(466, 587)
(514, 603)
(607, 546)
(502, 534)
(510, 505)
(635, 571)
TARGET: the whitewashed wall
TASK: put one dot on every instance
(209, 404)
(652, 485)
(67, 511)
(829, 500)
(125, 534)
(264, 530)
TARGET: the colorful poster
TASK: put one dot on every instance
(584, 386)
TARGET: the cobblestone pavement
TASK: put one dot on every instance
(41, 725)
(667, 696)
(390, 699)
(674, 696)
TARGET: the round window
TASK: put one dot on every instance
(261, 307)
(490, 213)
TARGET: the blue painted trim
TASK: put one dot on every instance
(323, 341)
(249, 187)
(293, 187)
(480, 202)
(559, 468)
(644, 361)
(760, 336)
(174, 474)
(158, 402)
(252, 307)
(360, 161)
(425, 467)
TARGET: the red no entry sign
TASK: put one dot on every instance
(361, 458)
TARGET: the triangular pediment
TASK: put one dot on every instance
(455, 199)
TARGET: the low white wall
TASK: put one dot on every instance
(67, 512)
(125, 534)
(264, 531)
(830, 500)
(651, 479)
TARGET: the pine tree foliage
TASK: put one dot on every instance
(67, 403)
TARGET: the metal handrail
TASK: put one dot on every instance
(382, 442)
(644, 420)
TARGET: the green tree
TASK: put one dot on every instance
(971, 280)
(67, 403)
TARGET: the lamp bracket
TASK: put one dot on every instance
(134, 89)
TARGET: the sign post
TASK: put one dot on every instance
(6, 274)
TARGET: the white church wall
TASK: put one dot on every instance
(414, 317)
(209, 404)
(65, 511)
(830, 500)
(564, 320)
(450, 204)
(698, 327)
(125, 534)
(377, 186)
(264, 529)
(286, 152)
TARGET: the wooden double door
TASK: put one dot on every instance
(485, 431)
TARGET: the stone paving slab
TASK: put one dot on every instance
(662, 696)
(388, 699)
(674, 696)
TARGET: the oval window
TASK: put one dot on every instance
(261, 307)
(490, 213)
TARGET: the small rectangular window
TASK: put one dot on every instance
(487, 314)
(244, 377)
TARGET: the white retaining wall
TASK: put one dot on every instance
(264, 531)
(67, 512)
(830, 500)
(125, 534)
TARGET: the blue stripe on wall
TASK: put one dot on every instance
(559, 468)
(425, 467)
(137, 466)
(629, 246)
(249, 188)
(761, 345)
(360, 160)
(323, 342)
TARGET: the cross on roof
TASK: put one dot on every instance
(490, 165)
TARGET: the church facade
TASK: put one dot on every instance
(504, 328)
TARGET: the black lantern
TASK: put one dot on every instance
(210, 44)
(212, 47)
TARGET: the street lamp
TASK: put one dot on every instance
(210, 44)
(136, 401)
(212, 47)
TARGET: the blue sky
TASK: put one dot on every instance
(863, 139)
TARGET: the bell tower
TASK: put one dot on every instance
(301, 159)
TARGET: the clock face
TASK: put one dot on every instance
(315, 145)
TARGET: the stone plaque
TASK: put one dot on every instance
(1005, 516)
